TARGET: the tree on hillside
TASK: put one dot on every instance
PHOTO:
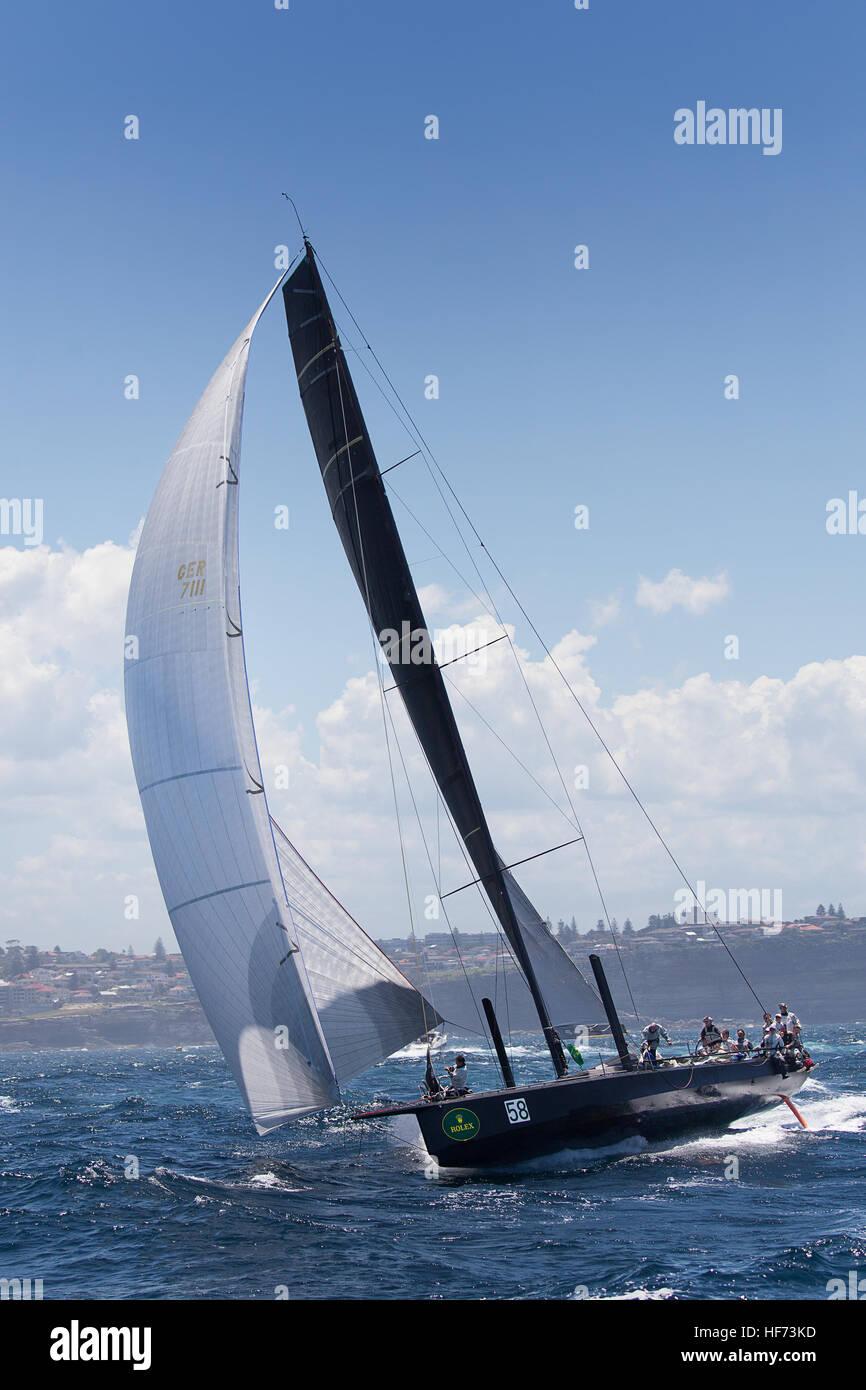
(820, 910)
(840, 912)
(831, 911)
(627, 928)
(12, 966)
(158, 949)
(31, 957)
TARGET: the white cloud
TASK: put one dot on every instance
(72, 848)
(754, 784)
(677, 590)
(603, 612)
(435, 598)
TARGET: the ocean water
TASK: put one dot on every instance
(330, 1209)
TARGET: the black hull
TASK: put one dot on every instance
(591, 1109)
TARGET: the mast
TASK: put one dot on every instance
(365, 521)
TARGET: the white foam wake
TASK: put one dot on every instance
(827, 1113)
(635, 1294)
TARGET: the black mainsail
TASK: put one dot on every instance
(365, 522)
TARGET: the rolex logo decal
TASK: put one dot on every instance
(461, 1124)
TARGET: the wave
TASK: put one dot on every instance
(845, 1113)
(633, 1295)
(835, 1114)
(175, 1179)
(96, 1173)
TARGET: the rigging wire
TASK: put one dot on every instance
(383, 701)
(572, 824)
(572, 820)
(427, 454)
(476, 883)
(418, 437)
(386, 714)
(537, 714)
(437, 881)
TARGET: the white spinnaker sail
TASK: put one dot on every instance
(197, 768)
(366, 1007)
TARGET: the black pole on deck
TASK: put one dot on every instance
(610, 1009)
(504, 1063)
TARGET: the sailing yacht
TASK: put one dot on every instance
(299, 997)
(434, 1041)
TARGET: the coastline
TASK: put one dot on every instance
(817, 995)
(115, 1025)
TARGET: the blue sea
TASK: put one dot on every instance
(135, 1174)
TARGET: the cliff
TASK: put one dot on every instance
(120, 1025)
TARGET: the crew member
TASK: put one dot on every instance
(742, 1046)
(790, 1022)
(457, 1073)
(652, 1036)
(774, 1048)
(710, 1036)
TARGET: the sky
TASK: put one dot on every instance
(602, 387)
